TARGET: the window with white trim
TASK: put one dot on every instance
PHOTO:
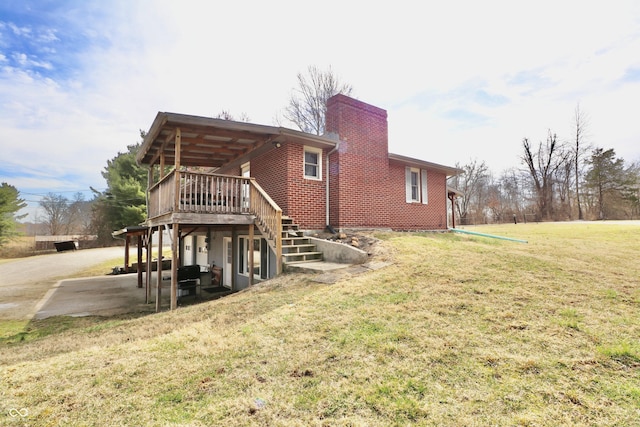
(416, 185)
(312, 163)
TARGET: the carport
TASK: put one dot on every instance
(141, 233)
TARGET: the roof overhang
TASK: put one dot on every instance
(136, 230)
(447, 170)
(454, 192)
(213, 143)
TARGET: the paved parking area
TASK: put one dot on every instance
(97, 296)
(28, 284)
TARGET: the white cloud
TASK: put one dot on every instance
(19, 31)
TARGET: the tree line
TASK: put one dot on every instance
(556, 181)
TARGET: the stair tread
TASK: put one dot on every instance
(303, 261)
(302, 253)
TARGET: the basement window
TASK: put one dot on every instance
(312, 163)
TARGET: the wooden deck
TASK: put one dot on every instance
(187, 198)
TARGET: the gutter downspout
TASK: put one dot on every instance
(492, 236)
(327, 188)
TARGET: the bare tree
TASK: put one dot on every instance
(564, 185)
(79, 215)
(510, 185)
(542, 165)
(472, 184)
(308, 103)
(55, 213)
(226, 115)
(581, 122)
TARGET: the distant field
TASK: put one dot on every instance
(17, 248)
(459, 330)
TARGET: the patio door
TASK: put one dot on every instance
(227, 269)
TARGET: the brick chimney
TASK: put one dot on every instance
(359, 169)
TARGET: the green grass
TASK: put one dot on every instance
(459, 330)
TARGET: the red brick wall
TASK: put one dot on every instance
(367, 190)
(359, 172)
(271, 171)
(417, 216)
(280, 173)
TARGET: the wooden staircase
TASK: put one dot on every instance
(296, 248)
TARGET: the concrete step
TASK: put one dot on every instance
(315, 267)
(301, 257)
(298, 248)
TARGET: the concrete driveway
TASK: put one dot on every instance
(29, 286)
(96, 296)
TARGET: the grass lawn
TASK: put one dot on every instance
(459, 330)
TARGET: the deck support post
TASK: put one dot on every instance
(176, 199)
(127, 244)
(139, 265)
(147, 298)
(175, 260)
(251, 251)
(159, 271)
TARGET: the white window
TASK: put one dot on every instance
(416, 185)
(260, 250)
(312, 163)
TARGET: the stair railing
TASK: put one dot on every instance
(268, 219)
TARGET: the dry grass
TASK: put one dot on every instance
(459, 330)
(18, 247)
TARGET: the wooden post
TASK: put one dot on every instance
(251, 254)
(149, 185)
(159, 272)
(452, 197)
(176, 176)
(149, 264)
(234, 257)
(161, 173)
(278, 242)
(127, 242)
(175, 260)
(150, 177)
(139, 266)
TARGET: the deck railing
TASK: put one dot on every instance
(208, 193)
(200, 193)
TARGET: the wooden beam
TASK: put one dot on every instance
(159, 271)
(177, 171)
(127, 241)
(139, 266)
(251, 260)
(175, 261)
(161, 172)
(234, 258)
(150, 177)
(279, 243)
(147, 298)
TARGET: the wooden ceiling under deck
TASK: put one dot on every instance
(204, 146)
(213, 143)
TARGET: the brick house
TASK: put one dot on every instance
(244, 196)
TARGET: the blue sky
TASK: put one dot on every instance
(460, 81)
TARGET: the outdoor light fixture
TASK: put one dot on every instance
(277, 144)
